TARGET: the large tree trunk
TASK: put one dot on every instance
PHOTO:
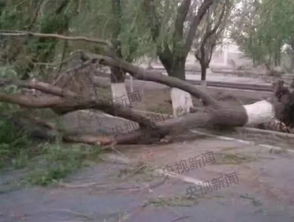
(259, 112)
(281, 106)
(181, 100)
(203, 74)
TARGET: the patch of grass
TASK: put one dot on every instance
(58, 161)
(14, 145)
(278, 151)
(162, 109)
(229, 148)
(255, 202)
(46, 163)
(131, 171)
(177, 201)
(139, 173)
(232, 158)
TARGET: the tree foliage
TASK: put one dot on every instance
(95, 18)
(261, 28)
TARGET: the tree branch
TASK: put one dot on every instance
(154, 76)
(196, 21)
(65, 101)
(31, 102)
(208, 42)
(15, 33)
(217, 25)
(41, 86)
(182, 12)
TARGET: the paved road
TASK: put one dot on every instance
(125, 192)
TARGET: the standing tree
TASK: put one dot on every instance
(174, 34)
(261, 28)
(212, 29)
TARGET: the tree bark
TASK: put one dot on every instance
(177, 67)
(203, 71)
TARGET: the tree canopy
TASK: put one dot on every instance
(261, 28)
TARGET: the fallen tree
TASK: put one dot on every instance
(216, 114)
(280, 106)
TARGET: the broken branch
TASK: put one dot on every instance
(15, 33)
